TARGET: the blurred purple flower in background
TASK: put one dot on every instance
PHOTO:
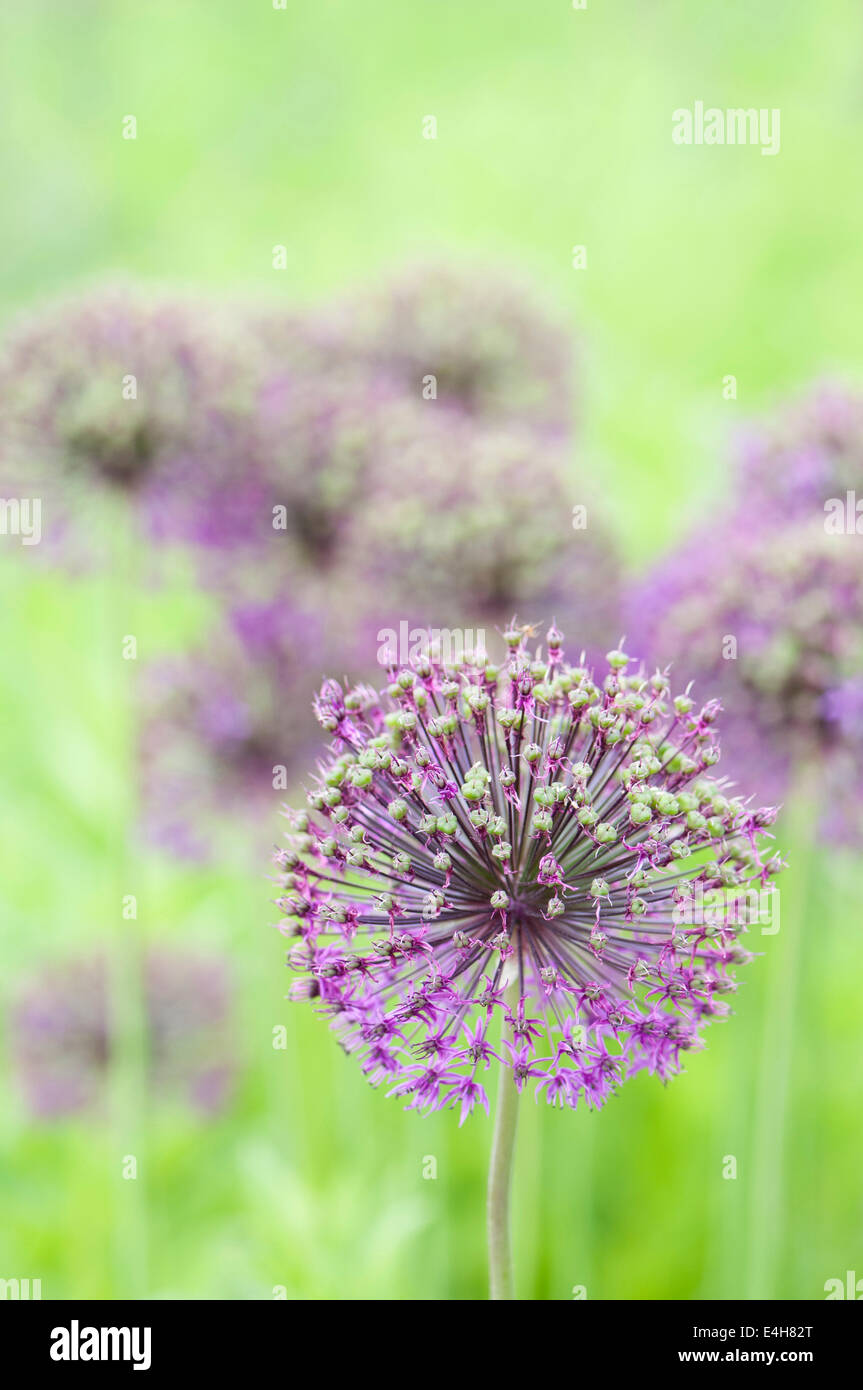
(123, 393)
(804, 455)
(376, 507)
(319, 436)
(322, 490)
(442, 503)
(463, 520)
(766, 604)
(226, 722)
(486, 339)
(843, 705)
(60, 1033)
(517, 847)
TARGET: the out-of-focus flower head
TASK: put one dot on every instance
(391, 516)
(60, 1033)
(97, 385)
(474, 336)
(318, 436)
(227, 723)
(775, 622)
(289, 459)
(124, 393)
(803, 457)
(519, 849)
(461, 520)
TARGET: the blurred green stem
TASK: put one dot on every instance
(767, 1189)
(500, 1275)
(127, 1021)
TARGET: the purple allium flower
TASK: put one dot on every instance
(518, 846)
(220, 721)
(775, 623)
(803, 457)
(480, 334)
(393, 514)
(317, 437)
(843, 705)
(461, 518)
(121, 392)
(60, 1033)
(227, 724)
(63, 376)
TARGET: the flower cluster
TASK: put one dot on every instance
(495, 866)
(771, 614)
(312, 479)
(60, 1033)
(121, 393)
(63, 374)
(462, 521)
(810, 453)
(410, 516)
(374, 507)
(777, 627)
(228, 720)
(476, 333)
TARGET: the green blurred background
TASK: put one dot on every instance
(304, 127)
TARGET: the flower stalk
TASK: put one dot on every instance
(768, 1190)
(501, 1283)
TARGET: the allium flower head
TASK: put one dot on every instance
(141, 395)
(777, 627)
(489, 346)
(495, 868)
(63, 371)
(461, 517)
(225, 721)
(809, 453)
(106, 383)
(316, 436)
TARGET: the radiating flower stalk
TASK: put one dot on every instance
(505, 865)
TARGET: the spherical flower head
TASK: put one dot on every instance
(843, 706)
(225, 723)
(508, 865)
(316, 437)
(464, 519)
(808, 454)
(60, 1033)
(104, 383)
(775, 623)
(121, 394)
(479, 340)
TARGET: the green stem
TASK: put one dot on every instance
(767, 1191)
(500, 1275)
(128, 1021)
